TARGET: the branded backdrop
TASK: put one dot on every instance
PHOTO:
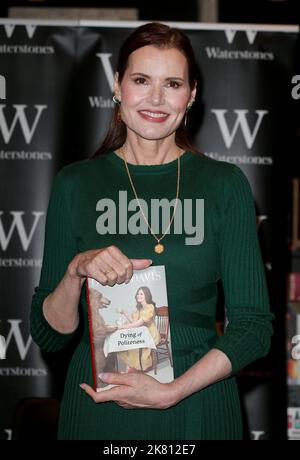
(55, 101)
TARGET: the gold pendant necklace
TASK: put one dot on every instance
(159, 247)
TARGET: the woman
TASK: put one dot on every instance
(143, 316)
(147, 154)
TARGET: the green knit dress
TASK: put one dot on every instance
(229, 251)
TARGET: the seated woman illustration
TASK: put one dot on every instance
(140, 359)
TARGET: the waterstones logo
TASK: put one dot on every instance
(15, 334)
(2, 347)
(15, 228)
(20, 119)
(107, 67)
(100, 102)
(241, 124)
(223, 53)
(240, 159)
(23, 48)
(10, 28)
(250, 34)
(188, 219)
(21, 345)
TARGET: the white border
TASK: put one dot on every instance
(132, 24)
(198, 25)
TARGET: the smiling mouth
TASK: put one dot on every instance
(153, 116)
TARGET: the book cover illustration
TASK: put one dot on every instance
(129, 326)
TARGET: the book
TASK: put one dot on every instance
(129, 326)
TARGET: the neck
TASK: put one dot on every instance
(145, 152)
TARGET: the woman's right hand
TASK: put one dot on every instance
(108, 266)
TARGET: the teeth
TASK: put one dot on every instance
(155, 115)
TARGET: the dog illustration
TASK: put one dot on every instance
(100, 330)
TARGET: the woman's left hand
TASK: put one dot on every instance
(134, 391)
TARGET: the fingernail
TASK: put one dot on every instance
(82, 386)
(150, 261)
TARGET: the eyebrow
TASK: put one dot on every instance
(147, 76)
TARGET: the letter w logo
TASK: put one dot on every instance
(105, 61)
(230, 34)
(15, 333)
(18, 224)
(9, 30)
(241, 121)
(2, 347)
(20, 117)
(2, 87)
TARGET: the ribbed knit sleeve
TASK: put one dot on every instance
(248, 331)
(59, 249)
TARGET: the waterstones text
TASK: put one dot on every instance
(126, 217)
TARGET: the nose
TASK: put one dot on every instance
(157, 95)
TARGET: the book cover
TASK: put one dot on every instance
(129, 326)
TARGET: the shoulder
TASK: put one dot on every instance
(218, 175)
(212, 167)
(227, 183)
(82, 171)
(81, 168)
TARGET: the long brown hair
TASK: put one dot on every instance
(161, 36)
(147, 294)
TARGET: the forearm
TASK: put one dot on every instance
(211, 368)
(60, 308)
(129, 319)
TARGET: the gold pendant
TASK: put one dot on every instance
(159, 248)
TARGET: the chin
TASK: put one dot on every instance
(154, 135)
